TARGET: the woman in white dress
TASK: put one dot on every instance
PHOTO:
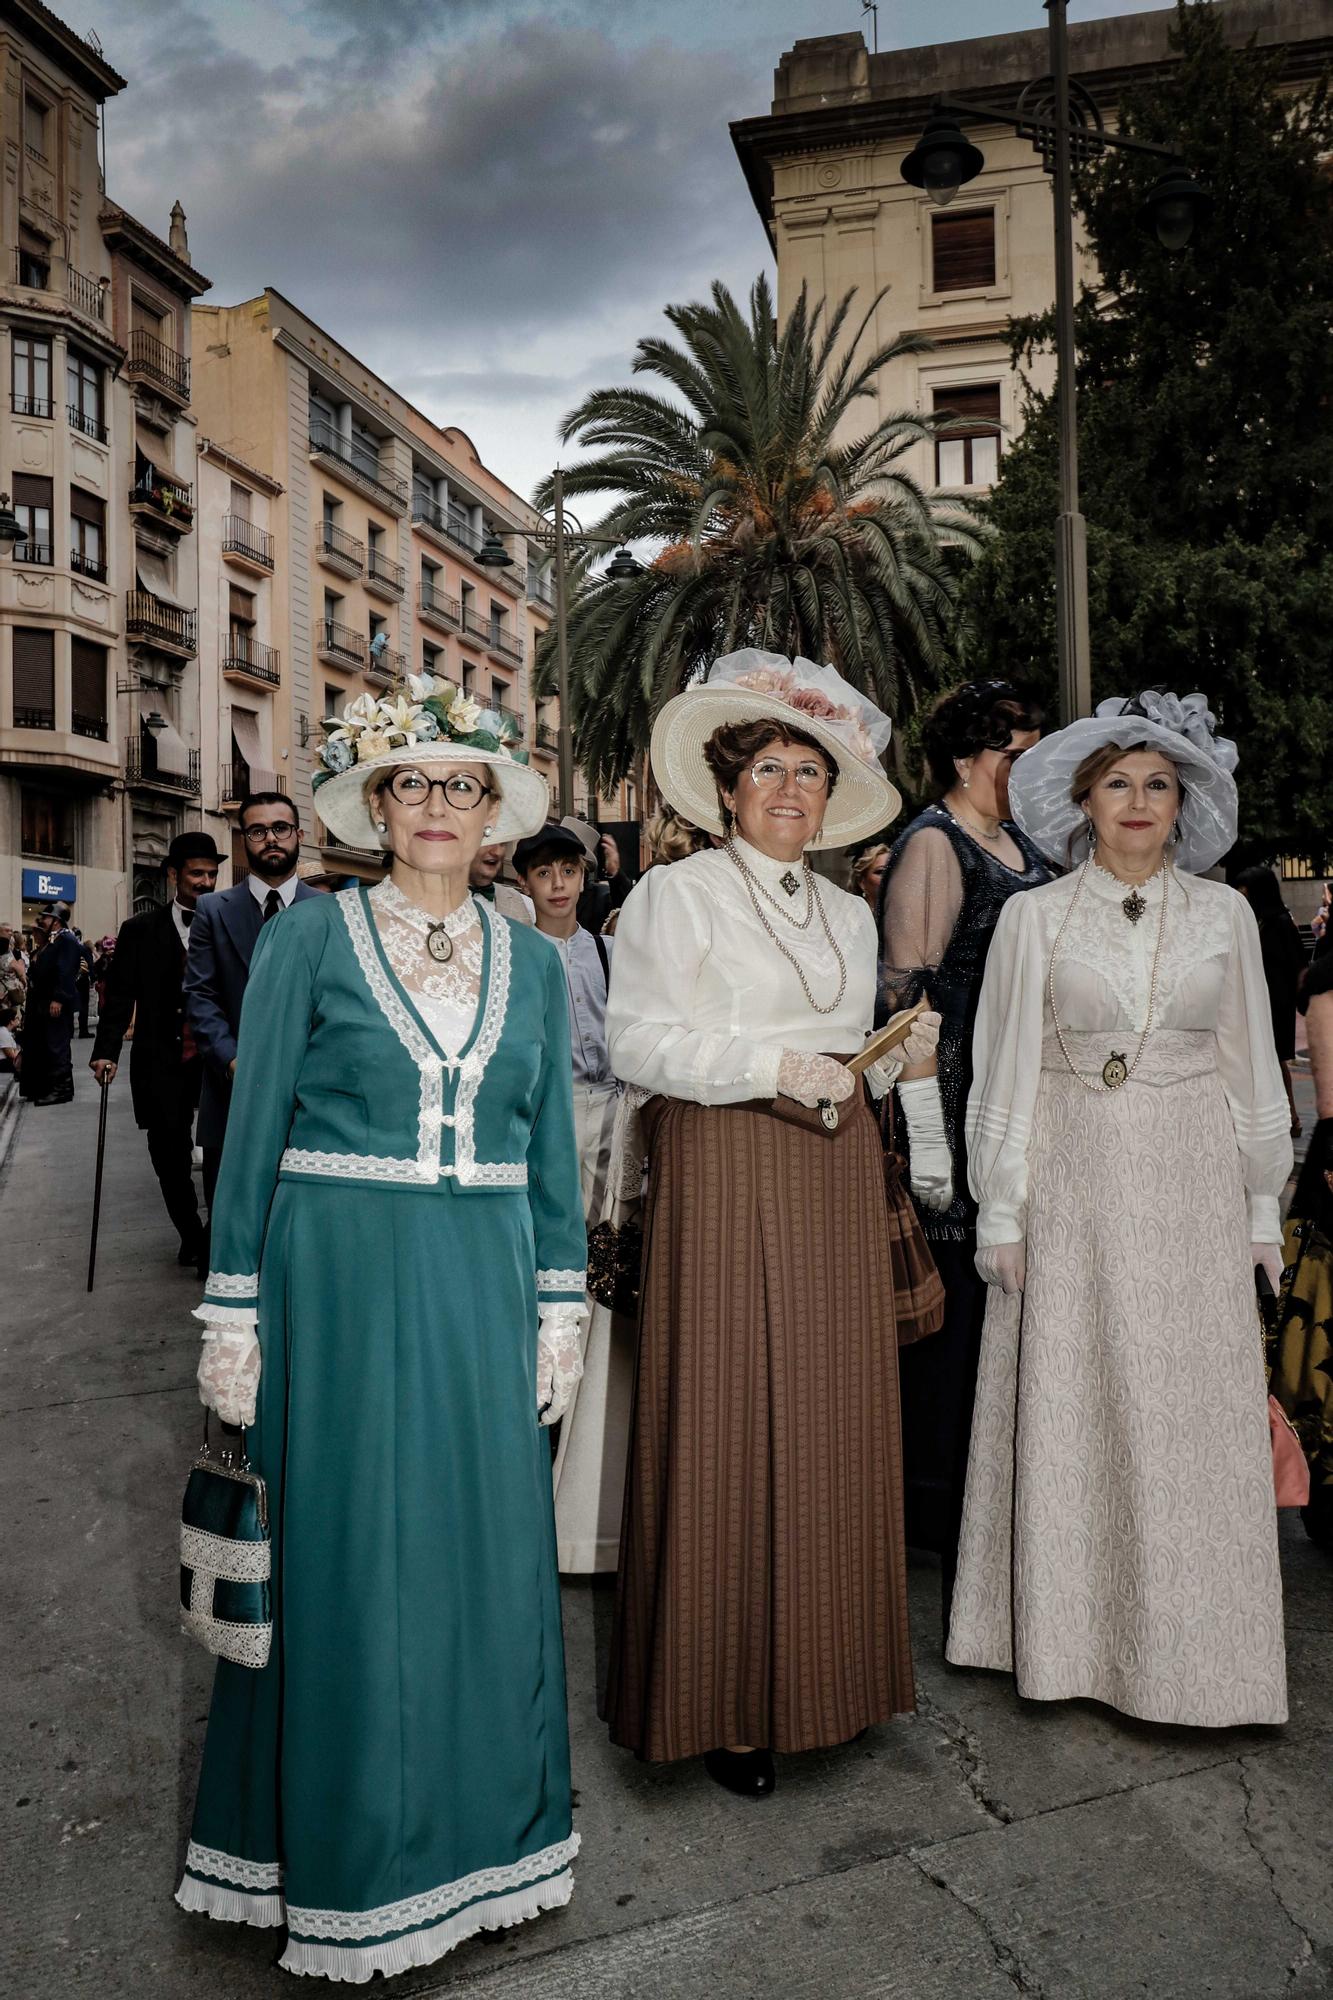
(1128, 1144)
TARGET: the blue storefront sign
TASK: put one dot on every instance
(49, 885)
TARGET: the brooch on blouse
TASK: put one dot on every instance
(1134, 905)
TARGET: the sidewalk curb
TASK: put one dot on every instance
(11, 1114)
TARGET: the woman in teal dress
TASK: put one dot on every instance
(398, 1275)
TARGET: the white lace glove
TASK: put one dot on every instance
(811, 1078)
(1005, 1265)
(1268, 1259)
(931, 1161)
(228, 1373)
(559, 1358)
(923, 1041)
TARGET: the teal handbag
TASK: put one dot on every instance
(226, 1557)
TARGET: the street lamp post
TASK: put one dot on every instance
(1065, 125)
(556, 536)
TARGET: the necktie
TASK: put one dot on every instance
(272, 904)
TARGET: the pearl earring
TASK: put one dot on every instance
(486, 832)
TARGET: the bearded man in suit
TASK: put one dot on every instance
(222, 942)
(145, 984)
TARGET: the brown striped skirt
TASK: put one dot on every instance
(761, 1595)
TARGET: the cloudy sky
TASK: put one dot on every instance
(489, 201)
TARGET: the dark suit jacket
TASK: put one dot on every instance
(222, 938)
(145, 982)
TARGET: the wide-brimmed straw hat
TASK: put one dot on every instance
(751, 686)
(429, 722)
(1181, 728)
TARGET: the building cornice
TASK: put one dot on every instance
(217, 454)
(124, 232)
(80, 61)
(892, 93)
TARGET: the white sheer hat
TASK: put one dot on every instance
(751, 686)
(428, 722)
(1181, 727)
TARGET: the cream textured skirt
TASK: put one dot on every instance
(1119, 1535)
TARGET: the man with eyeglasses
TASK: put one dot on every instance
(144, 986)
(222, 941)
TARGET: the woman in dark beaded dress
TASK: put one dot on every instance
(949, 875)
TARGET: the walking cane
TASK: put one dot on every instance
(97, 1184)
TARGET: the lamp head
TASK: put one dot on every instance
(1175, 207)
(493, 554)
(942, 160)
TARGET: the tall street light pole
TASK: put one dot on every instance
(1065, 125)
(1073, 638)
(555, 535)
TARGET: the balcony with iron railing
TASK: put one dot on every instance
(512, 720)
(151, 621)
(157, 366)
(246, 658)
(85, 423)
(439, 609)
(355, 465)
(449, 525)
(339, 644)
(548, 736)
(476, 628)
(85, 565)
(236, 779)
(34, 718)
(503, 643)
(384, 576)
(166, 502)
(385, 667)
(541, 589)
(87, 295)
(339, 551)
(29, 406)
(34, 552)
(92, 727)
(246, 545)
(141, 767)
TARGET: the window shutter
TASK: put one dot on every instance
(30, 492)
(87, 507)
(963, 250)
(979, 407)
(241, 605)
(34, 670)
(88, 681)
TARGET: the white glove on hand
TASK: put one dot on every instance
(228, 1373)
(1268, 1259)
(811, 1078)
(923, 1041)
(559, 1358)
(931, 1161)
(1005, 1265)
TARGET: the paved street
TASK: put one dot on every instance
(982, 1848)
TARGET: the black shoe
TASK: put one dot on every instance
(54, 1097)
(190, 1251)
(748, 1773)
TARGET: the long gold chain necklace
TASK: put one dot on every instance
(1116, 1072)
(817, 902)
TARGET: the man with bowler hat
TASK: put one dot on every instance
(146, 983)
(225, 933)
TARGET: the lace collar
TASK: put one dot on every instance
(769, 871)
(1111, 889)
(389, 898)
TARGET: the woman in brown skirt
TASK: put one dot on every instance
(761, 1602)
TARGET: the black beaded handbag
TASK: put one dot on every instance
(226, 1557)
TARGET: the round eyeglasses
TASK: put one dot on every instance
(413, 788)
(770, 775)
(259, 836)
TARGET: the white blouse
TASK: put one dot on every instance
(703, 1003)
(1210, 976)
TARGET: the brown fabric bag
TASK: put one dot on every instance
(918, 1291)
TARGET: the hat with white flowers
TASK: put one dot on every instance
(428, 721)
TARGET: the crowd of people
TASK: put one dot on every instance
(912, 1208)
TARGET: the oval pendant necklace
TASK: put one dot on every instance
(1116, 1071)
(439, 944)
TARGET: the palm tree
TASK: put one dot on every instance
(775, 528)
